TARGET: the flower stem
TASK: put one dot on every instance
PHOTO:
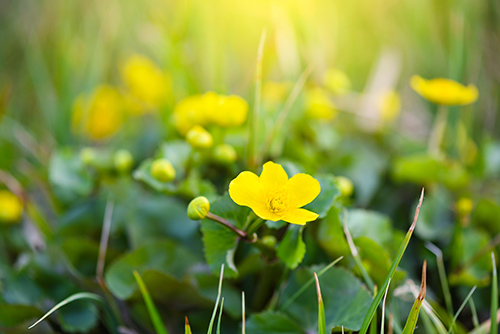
(228, 225)
(255, 226)
(438, 130)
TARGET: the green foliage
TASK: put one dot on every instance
(292, 248)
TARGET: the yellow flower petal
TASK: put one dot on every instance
(273, 176)
(302, 189)
(299, 216)
(246, 190)
(444, 91)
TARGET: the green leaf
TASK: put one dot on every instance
(79, 316)
(143, 173)
(178, 153)
(292, 248)
(219, 241)
(345, 299)
(153, 312)
(165, 256)
(331, 234)
(326, 198)
(370, 224)
(272, 322)
(69, 178)
(435, 217)
(14, 315)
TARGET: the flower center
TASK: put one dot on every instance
(276, 203)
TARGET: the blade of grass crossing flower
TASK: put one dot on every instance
(378, 298)
(321, 309)
(460, 310)
(211, 325)
(308, 284)
(220, 315)
(494, 297)
(411, 322)
(383, 308)
(187, 328)
(111, 322)
(242, 312)
(154, 315)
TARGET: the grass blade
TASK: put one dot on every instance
(383, 308)
(494, 297)
(211, 325)
(378, 298)
(321, 309)
(442, 276)
(111, 322)
(242, 312)
(475, 318)
(187, 328)
(461, 308)
(308, 284)
(411, 322)
(158, 324)
(220, 315)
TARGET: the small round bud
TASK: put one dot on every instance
(123, 160)
(269, 241)
(198, 208)
(162, 170)
(345, 186)
(199, 138)
(464, 206)
(11, 208)
(87, 155)
(225, 154)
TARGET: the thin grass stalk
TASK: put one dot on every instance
(494, 297)
(219, 290)
(382, 320)
(321, 309)
(158, 324)
(442, 276)
(466, 300)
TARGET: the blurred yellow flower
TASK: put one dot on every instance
(11, 208)
(275, 92)
(146, 81)
(199, 138)
(100, 115)
(318, 105)
(209, 109)
(444, 91)
(389, 106)
(337, 81)
(273, 196)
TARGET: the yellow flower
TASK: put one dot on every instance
(389, 105)
(444, 91)
(318, 105)
(11, 207)
(231, 111)
(100, 115)
(273, 196)
(275, 92)
(337, 81)
(145, 80)
(188, 113)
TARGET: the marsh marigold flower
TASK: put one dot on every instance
(11, 207)
(318, 105)
(145, 80)
(444, 91)
(273, 196)
(100, 115)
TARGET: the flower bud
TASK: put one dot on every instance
(345, 186)
(269, 241)
(123, 160)
(198, 208)
(11, 208)
(225, 154)
(87, 155)
(464, 206)
(199, 138)
(162, 170)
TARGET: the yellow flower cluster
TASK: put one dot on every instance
(145, 81)
(11, 207)
(210, 109)
(444, 91)
(99, 115)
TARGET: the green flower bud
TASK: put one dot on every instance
(464, 206)
(199, 138)
(345, 186)
(225, 154)
(269, 241)
(87, 155)
(123, 160)
(198, 208)
(162, 170)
